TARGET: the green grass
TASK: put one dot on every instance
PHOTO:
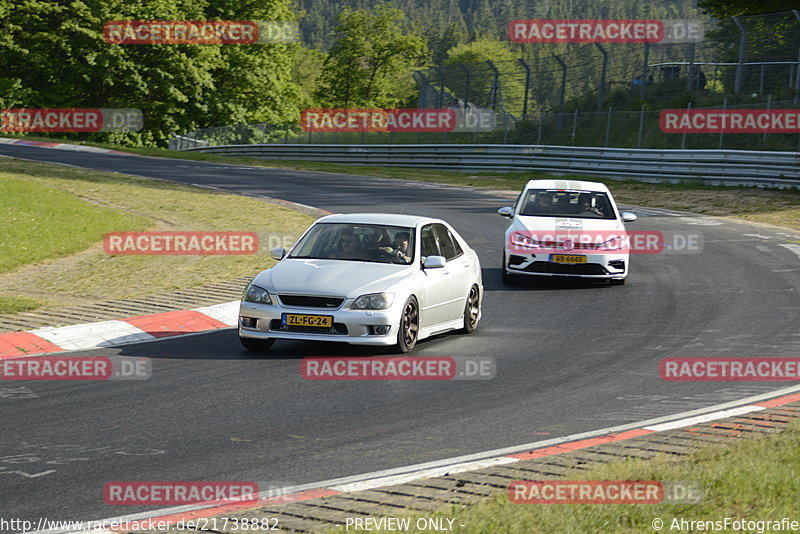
(40, 221)
(757, 479)
(17, 304)
(55, 218)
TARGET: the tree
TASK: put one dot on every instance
(369, 53)
(732, 8)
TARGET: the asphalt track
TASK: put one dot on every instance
(571, 357)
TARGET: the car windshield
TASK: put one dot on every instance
(561, 203)
(357, 242)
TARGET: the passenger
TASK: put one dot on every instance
(402, 249)
(585, 206)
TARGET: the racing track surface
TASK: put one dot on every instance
(570, 358)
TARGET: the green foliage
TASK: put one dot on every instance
(731, 8)
(54, 56)
(370, 53)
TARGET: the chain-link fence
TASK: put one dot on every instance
(594, 95)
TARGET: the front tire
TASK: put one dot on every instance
(256, 345)
(472, 310)
(408, 331)
(508, 278)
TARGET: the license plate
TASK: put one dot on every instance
(568, 258)
(319, 321)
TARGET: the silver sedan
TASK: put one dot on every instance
(365, 279)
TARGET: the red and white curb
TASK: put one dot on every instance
(61, 146)
(119, 331)
(459, 464)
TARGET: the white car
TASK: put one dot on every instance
(365, 279)
(566, 228)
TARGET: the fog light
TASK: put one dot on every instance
(248, 322)
(382, 330)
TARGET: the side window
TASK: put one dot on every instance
(428, 242)
(445, 240)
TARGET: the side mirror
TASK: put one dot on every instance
(434, 262)
(506, 211)
(278, 253)
(628, 216)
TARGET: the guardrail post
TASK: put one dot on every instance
(608, 124)
(527, 87)
(742, 47)
(641, 128)
(602, 90)
(563, 89)
(721, 132)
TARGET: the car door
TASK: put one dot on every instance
(459, 276)
(435, 300)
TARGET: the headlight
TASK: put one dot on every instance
(521, 240)
(615, 243)
(373, 301)
(253, 293)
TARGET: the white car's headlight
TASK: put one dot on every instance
(373, 301)
(523, 241)
(615, 243)
(253, 293)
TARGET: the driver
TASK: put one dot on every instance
(377, 243)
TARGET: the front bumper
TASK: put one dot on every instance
(352, 326)
(597, 266)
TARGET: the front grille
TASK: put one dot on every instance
(303, 301)
(576, 245)
(565, 268)
(338, 328)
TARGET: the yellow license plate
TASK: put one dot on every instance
(320, 321)
(568, 258)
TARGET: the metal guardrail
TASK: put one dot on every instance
(740, 167)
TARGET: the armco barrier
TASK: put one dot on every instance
(738, 167)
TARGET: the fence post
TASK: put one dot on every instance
(542, 115)
(263, 132)
(690, 74)
(466, 87)
(608, 124)
(761, 81)
(769, 107)
(721, 131)
(641, 128)
(574, 125)
(563, 89)
(797, 74)
(441, 87)
(495, 84)
(740, 66)
(683, 137)
(645, 70)
(527, 87)
(601, 92)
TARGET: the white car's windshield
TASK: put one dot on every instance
(357, 242)
(560, 203)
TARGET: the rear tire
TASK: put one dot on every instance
(472, 310)
(408, 330)
(256, 345)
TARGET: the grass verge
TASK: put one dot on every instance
(751, 479)
(769, 206)
(63, 212)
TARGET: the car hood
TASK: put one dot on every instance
(563, 225)
(331, 277)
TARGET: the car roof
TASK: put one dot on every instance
(575, 185)
(389, 219)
